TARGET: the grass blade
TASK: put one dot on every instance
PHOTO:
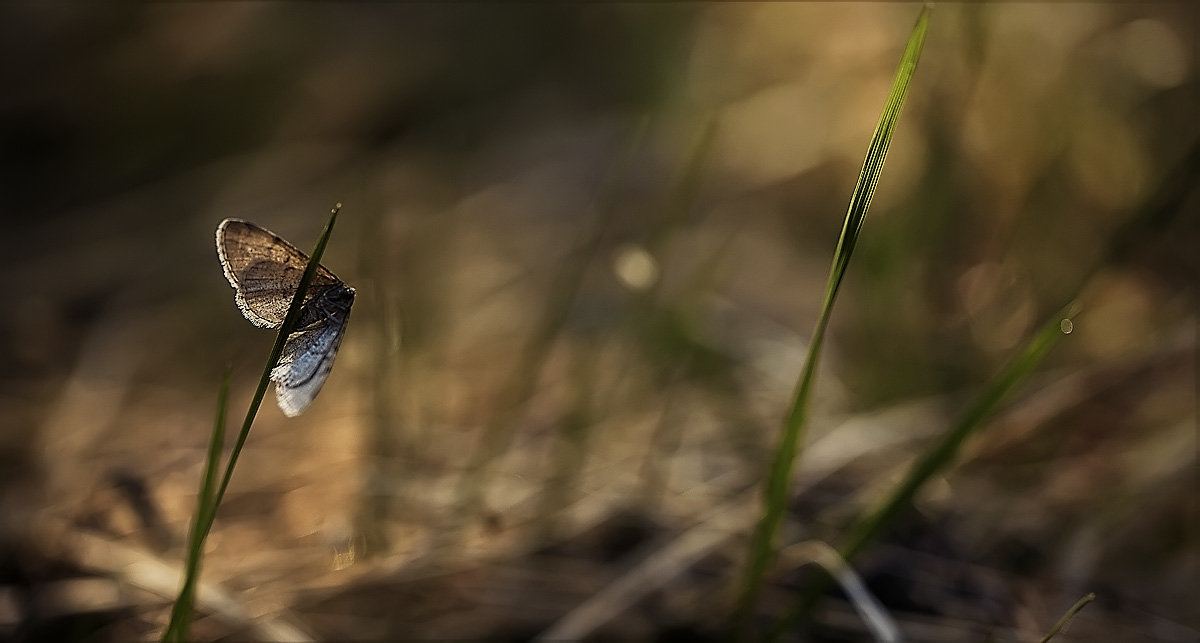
(564, 291)
(179, 626)
(1066, 617)
(289, 323)
(206, 511)
(1162, 207)
(779, 475)
(942, 454)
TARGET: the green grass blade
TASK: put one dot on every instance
(1161, 208)
(564, 291)
(206, 512)
(942, 454)
(779, 476)
(682, 200)
(179, 626)
(289, 324)
(1066, 617)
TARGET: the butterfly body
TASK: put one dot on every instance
(265, 272)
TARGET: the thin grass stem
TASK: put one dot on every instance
(289, 324)
(563, 293)
(179, 625)
(942, 454)
(779, 475)
(1066, 618)
(210, 500)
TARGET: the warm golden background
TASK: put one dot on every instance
(589, 243)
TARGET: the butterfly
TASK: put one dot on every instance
(265, 272)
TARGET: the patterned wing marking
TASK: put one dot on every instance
(265, 271)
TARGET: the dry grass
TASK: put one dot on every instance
(470, 154)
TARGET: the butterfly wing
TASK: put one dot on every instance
(265, 271)
(305, 364)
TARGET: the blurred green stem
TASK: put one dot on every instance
(779, 476)
(206, 511)
(180, 622)
(941, 455)
(1066, 618)
(533, 356)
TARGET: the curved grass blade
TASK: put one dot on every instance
(179, 626)
(1160, 208)
(780, 473)
(942, 454)
(210, 500)
(289, 324)
(1067, 616)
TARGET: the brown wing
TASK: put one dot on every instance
(265, 271)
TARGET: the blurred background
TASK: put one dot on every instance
(590, 243)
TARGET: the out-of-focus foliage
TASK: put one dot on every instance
(645, 198)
